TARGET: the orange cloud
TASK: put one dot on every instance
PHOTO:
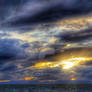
(30, 78)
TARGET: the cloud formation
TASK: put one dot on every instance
(35, 11)
(41, 51)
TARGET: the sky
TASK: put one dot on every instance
(45, 40)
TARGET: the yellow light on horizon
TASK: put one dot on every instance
(5, 80)
(73, 79)
(30, 78)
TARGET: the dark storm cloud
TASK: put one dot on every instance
(11, 49)
(77, 36)
(44, 74)
(41, 10)
(52, 74)
(84, 73)
(47, 74)
(8, 67)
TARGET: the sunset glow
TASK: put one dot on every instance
(64, 64)
(73, 79)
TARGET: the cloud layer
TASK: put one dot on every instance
(41, 51)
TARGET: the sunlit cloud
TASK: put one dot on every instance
(30, 78)
(22, 36)
(64, 64)
(75, 23)
(73, 79)
(70, 64)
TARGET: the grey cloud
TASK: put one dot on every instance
(11, 48)
(51, 74)
(32, 10)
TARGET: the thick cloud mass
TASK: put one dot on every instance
(10, 48)
(45, 31)
(34, 11)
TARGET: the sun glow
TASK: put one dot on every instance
(74, 62)
(30, 78)
(44, 65)
(64, 64)
(68, 65)
(73, 79)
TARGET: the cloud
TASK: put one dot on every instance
(33, 11)
(52, 74)
(83, 73)
(21, 47)
(11, 49)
